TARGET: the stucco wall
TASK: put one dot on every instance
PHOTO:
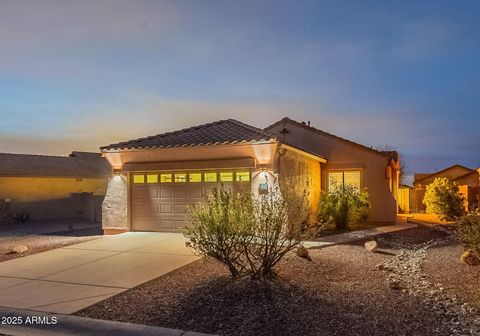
(300, 172)
(52, 197)
(115, 205)
(342, 155)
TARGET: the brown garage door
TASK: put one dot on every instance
(159, 200)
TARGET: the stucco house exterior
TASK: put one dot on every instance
(467, 179)
(157, 177)
(42, 187)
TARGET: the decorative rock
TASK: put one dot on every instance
(18, 249)
(470, 259)
(371, 246)
(396, 285)
(302, 252)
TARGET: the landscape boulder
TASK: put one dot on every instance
(371, 246)
(18, 249)
(302, 252)
(470, 258)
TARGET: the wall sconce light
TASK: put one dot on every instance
(263, 168)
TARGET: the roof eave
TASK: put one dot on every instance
(108, 149)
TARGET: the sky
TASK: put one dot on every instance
(76, 75)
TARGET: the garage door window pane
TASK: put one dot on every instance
(210, 177)
(166, 178)
(138, 178)
(242, 176)
(226, 177)
(195, 177)
(152, 178)
(180, 177)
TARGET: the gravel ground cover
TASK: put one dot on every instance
(458, 280)
(344, 290)
(40, 243)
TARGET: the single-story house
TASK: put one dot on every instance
(467, 179)
(41, 187)
(157, 177)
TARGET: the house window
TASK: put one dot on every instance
(226, 177)
(242, 176)
(180, 178)
(195, 177)
(210, 177)
(138, 179)
(166, 178)
(152, 178)
(343, 178)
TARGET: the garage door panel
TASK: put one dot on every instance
(180, 208)
(144, 209)
(166, 192)
(180, 224)
(180, 193)
(195, 193)
(166, 208)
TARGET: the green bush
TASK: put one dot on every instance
(248, 234)
(443, 198)
(469, 232)
(343, 205)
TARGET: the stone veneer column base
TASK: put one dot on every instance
(113, 231)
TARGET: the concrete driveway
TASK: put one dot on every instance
(71, 278)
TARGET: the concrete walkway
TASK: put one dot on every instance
(349, 237)
(47, 324)
(69, 279)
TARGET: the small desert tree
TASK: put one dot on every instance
(249, 234)
(443, 198)
(343, 205)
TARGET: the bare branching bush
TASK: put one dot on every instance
(249, 234)
(469, 233)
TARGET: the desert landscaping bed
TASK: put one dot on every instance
(457, 279)
(344, 290)
(36, 243)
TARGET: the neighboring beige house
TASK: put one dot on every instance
(156, 178)
(40, 187)
(467, 179)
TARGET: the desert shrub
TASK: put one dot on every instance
(223, 225)
(246, 233)
(469, 232)
(443, 198)
(343, 205)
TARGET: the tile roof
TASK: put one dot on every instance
(419, 177)
(228, 131)
(393, 155)
(78, 164)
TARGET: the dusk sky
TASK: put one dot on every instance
(76, 75)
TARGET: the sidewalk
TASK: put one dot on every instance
(79, 326)
(348, 237)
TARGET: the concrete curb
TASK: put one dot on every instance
(349, 237)
(75, 326)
